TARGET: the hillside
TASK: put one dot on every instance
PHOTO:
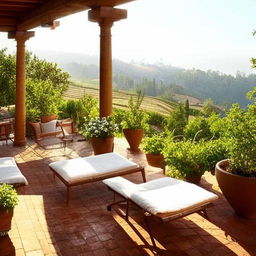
(120, 98)
(162, 80)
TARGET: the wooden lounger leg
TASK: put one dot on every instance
(149, 230)
(109, 207)
(68, 195)
(143, 175)
(127, 210)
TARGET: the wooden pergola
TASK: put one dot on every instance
(18, 17)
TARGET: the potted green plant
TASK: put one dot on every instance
(191, 159)
(184, 158)
(133, 126)
(153, 147)
(101, 132)
(236, 175)
(8, 200)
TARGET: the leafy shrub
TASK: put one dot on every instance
(135, 117)
(198, 129)
(156, 119)
(42, 99)
(214, 151)
(8, 197)
(193, 159)
(153, 145)
(79, 110)
(177, 121)
(99, 127)
(241, 132)
(186, 157)
(119, 116)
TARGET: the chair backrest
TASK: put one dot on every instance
(37, 129)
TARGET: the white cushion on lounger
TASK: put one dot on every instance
(79, 169)
(163, 195)
(10, 173)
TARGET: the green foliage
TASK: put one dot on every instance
(189, 158)
(118, 116)
(42, 99)
(153, 145)
(241, 132)
(79, 110)
(198, 129)
(8, 197)
(186, 109)
(208, 108)
(99, 127)
(156, 119)
(186, 157)
(42, 70)
(176, 122)
(46, 84)
(214, 151)
(7, 78)
(135, 117)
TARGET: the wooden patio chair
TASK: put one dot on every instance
(165, 198)
(6, 129)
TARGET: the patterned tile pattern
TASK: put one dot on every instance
(43, 225)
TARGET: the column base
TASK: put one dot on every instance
(19, 143)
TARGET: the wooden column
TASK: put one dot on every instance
(20, 104)
(105, 17)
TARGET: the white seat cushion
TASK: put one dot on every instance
(81, 169)
(161, 196)
(10, 173)
(49, 127)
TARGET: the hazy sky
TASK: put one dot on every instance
(204, 34)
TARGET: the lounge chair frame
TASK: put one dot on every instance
(94, 179)
(146, 215)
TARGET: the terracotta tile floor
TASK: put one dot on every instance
(43, 225)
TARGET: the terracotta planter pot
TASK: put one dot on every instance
(134, 137)
(48, 118)
(239, 191)
(156, 160)
(102, 145)
(5, 221)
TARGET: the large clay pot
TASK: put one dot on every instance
(134, 137)
(5, 221)
(48, 118)
(102, 145)
(239, 191)
(156, 160)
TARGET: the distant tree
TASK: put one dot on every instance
(187, 109)
(177, 121)
(7, 78)
(38, 71)
(208, 107)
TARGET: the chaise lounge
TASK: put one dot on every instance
(164, 198)
(78, 171)
(10, 173)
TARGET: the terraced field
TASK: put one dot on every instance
(120, 99)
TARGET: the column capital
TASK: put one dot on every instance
(106, 15)
(21, 35)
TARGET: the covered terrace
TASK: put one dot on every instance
(43, 225)
(19, 17)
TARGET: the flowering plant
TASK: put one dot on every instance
(99, 127)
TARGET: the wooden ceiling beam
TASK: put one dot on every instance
(7, 28)
(6, 21)
(13, 4)
(52, 10)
